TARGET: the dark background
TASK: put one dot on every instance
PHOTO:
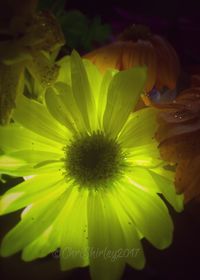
(179, 22)
(176, 20)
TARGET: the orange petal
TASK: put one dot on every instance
(106, 57)
(188, 178)
(181, 147)
(195, 80)
(167, 63)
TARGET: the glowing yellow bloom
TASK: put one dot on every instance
(93, 173)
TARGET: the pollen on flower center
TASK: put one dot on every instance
(135, 33)
(94, 160)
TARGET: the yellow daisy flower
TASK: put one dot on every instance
(93, 173)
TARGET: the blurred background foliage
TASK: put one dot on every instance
(81, 32)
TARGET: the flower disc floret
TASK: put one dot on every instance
(94, 160)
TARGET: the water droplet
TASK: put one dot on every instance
(182, 114)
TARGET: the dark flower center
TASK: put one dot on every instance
(94, 160)
(135, 32)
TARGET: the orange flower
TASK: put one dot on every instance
(179, 137)
(138, 46)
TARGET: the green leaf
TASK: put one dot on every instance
(99, 31)
(75, 27)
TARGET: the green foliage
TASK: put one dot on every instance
(80, 32)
